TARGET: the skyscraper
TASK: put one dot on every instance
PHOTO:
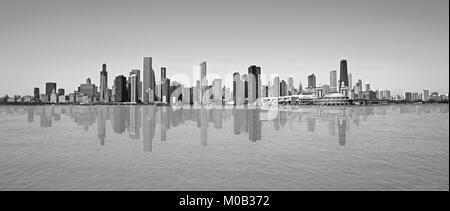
(251, 88)
(138, 84)
(49, 87)
(290, 84)
(203, 83)
(343, 74)
(163, 74)
(367, 87)
(61, 92)
(104, 97)
(88, 89)
(236, 88)
(333, 81)
(255, 71)
(217, 91)
(276, 87)
(312, 81)
(134, 88)
(36, 94)
(245, 81)
(350, 82)
(120, 88)
(148, 90)
(283, 88)
(165, 91)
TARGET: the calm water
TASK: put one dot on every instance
(155, 148)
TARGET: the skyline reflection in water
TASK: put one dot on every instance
(143, 122)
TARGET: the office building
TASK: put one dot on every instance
(120, 88)
(251, 88)
(276, 87)
(138, 84)
(165, 91)
(333, 81)
(217, 91)
(283, 88)
(104, 94)
(254, 74)
(204, 98)
(134, 88)
(163, 74)
(88, 89)
(148, 90)
(49, 87)
(237, 98)
(312, 81)
(425, 95)
(54, 97)
(350, 82)
(36, 94)
(343, 74)
(61, 92)
(407, 96)
(367, 87)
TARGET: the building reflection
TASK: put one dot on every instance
(247, 122)
(148, 119)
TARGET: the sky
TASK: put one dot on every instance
(401, 45)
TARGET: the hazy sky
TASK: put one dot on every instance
(402, 45)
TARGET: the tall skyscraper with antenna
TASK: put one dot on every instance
(343, 74)
(104, 92)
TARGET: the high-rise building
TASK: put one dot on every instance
(407, 96)
(49, 87)
(251, 92)
(333, 81)
(290, 83)
(300, 88)
(163, 74)
(343, 74)
(326, 89)
(237, 98)
(36, 94)
(414, 96)
(148, 90)
(367, 87)
(312, 81)
(255, 73)
(187, 96)
(350, 82)
(134, 88)
(61, 92)
(54, 97)
(138, 84)
(104, 97)
(425, 95)
(203, 84)
(276, 87)
(217, 91)
(358, 87)
(165, 91)
(386, 94)
(283, 88)
(245, 81)
(120, 88)
(88, 89)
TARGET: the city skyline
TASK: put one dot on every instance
(407, 42)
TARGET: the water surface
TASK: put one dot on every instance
(162, 148)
